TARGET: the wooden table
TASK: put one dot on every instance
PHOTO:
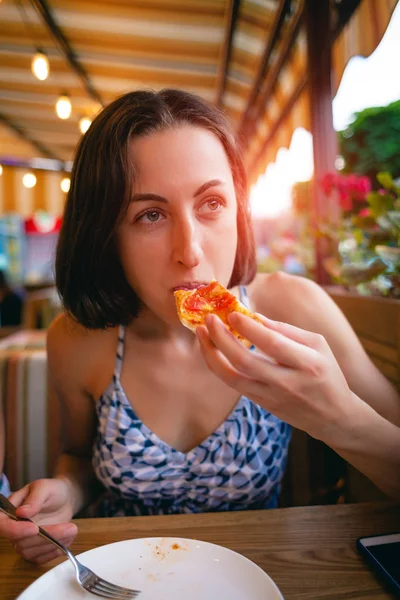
(309, 551)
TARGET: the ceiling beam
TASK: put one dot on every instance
(272, 76)
(27, 138)
(232, 15)
(63, 44)
(272, 39)
(345, 10)
(286, 109)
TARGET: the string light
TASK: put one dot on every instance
(84, 124)
(29, 180)
(40, 65)
(65, 184)
(1, 166)
(63, 107)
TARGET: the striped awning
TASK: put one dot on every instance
(121, 46)
(287, 109)
(360, 37)
(214, 48)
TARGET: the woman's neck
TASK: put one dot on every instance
(148, 326)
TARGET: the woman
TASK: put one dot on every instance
(165, 421)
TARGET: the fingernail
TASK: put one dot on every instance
(213, 320)
(264, 318)
(200, 332)
(208, 319)
(71, 529)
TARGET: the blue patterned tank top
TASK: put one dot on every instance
(239, 466)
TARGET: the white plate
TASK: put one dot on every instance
(163, 569)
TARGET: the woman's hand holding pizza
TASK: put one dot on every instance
(294, 374)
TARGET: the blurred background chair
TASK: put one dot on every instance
(31, 415)
(40, 308)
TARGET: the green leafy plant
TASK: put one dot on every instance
(365, 244)
(370, 144)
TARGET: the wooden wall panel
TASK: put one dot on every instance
(46, 195)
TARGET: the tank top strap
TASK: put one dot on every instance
(243, 296)
(245, 300)
(120, 351)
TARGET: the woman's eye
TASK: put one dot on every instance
(151, 216)
(212, 205)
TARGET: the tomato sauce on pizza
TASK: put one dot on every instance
(194, 305)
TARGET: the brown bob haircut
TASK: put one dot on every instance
(89, 275)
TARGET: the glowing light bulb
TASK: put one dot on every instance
(65, 184)
(84, 124)
(340, 163)
(40, 65)
(1, 170)
(29, 180)
(63, 107)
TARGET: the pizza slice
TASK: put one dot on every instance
(194, 305)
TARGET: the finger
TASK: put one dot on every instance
(34, 553)
(65, 532)
(34, 501)
(302, 336)
(42, 558)
(279, 352)
(251, 364)
(16, 530)
(17, 498)
(55, 553)
(273, 344)
(221, 367)
(40, 547)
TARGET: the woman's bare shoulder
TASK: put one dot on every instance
(78, 355)
(284, 297)
(67, 335)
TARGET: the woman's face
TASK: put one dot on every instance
(180, 227)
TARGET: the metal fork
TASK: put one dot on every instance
(85, 577)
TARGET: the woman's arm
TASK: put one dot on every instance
(79, 370)
(306, 305)
(373, 447)
(296, 377)
(67, 375)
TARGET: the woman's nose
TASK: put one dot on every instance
(186, 244)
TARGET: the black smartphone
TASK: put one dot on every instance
(383, 554)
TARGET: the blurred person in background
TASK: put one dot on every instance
(10, 304)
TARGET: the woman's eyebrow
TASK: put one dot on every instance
(203, 188)
(155, 197)
(147, 197)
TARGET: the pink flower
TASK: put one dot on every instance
(361, 186)
(364, 212)
(345, 200)
(365, 184)
(328, 182)
(350, 188)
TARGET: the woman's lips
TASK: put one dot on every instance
(190, 285)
